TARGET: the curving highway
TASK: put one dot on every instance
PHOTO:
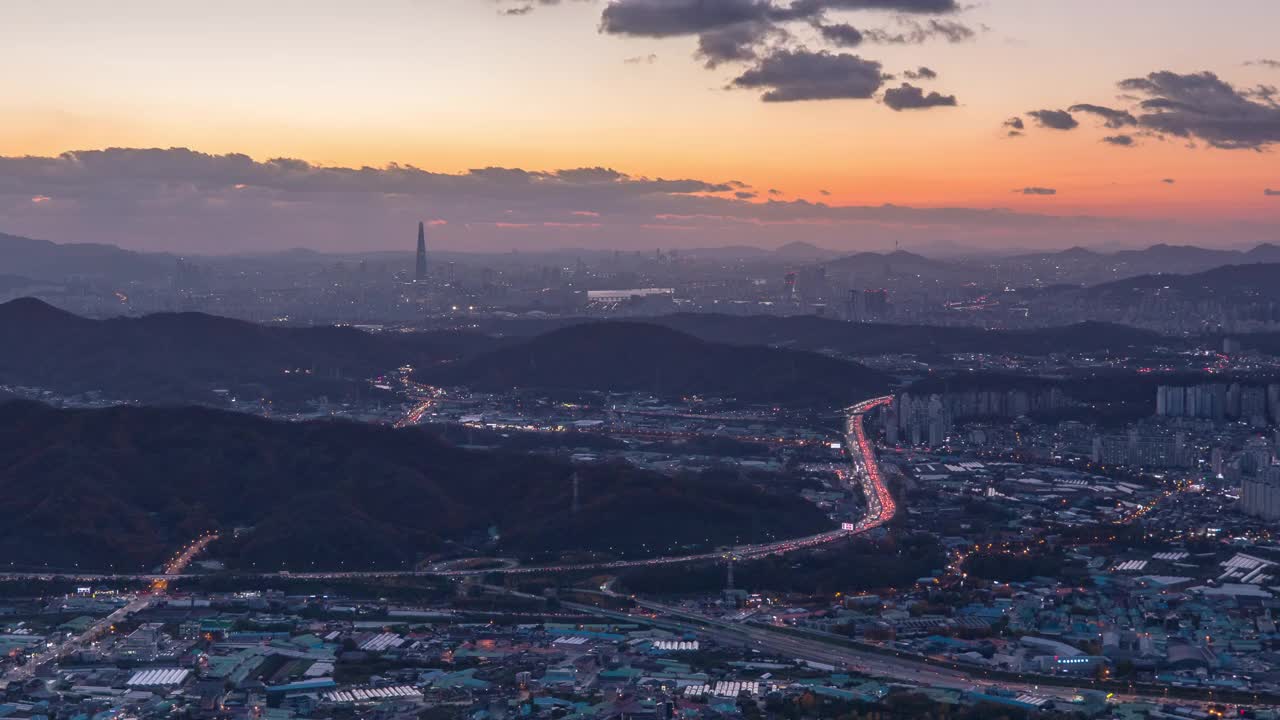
(881, 507)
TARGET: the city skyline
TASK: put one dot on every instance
(636, 124)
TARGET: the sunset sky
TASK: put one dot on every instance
(449, 86)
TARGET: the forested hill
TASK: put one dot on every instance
(123, 487)
(645, 357)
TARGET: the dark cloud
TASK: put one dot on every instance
(649, 59)
(1015, 123)
(1202, 106)
(1037, 191)
(1114, 119)
(912, 32)
(727, 30)
(591, 175)
(1055, 119)
(1120, 140)
(910, 97)
(775, 191)
(524, 7)
(1266, 93)
(203, 172)
(752, 31)
(903, 6)
(744, 195)
(666, 18)
(184, 201)
(921, 73)
(740, 42)
(915, 32)
(840, 34)
(1273, 64)
(1168, 181)
(824, 192)
(794, 75)
(1271, 193)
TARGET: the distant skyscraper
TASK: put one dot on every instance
(876, 303)
(421, 274)
(857, 306)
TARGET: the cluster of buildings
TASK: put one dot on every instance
(1257, 405)
(1030, 498)
(930, 419)
(270, 655)
(1211, 625)
(1260, 495)
(1136, 448)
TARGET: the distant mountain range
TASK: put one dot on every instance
(1252, 281)
(41, 260)
(123, 487)
(871, 267)
(1088, 266)
(824, 335)
(644, 357)
(795, 252)
(44, 261)
(181, 357)
(1074, 266)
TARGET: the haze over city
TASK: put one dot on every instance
(641, 124)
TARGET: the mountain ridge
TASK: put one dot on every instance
(629, 356)
(181, 357)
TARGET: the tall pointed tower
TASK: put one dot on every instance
(421, 274)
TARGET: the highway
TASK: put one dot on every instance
(174, 567)
(416, 413)
(881, 507)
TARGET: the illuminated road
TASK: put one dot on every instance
(416, 413)
(880, 505)
(425, 398)
(173, 568)
(414, 416)
(880, 510)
